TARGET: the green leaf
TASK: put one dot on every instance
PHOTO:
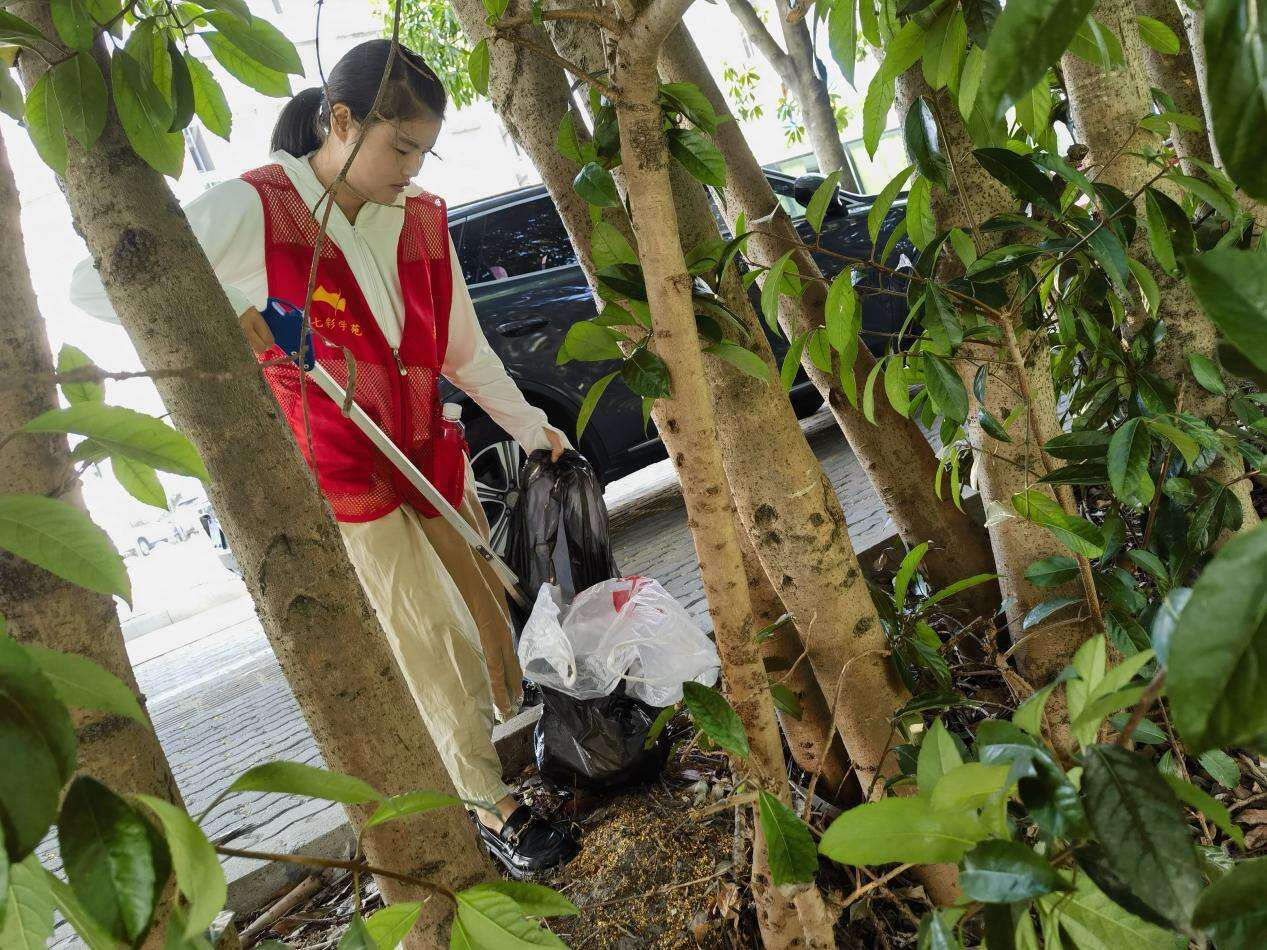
(357, 936)
(715, 718)
(1146, 283)
(116, 862)
(44, 123)
(1097, 45)
(145, 115)
(295, 778)
(960, 585)
(63, 540)
(534, 900)
(86, 928)
(71, 358)
(1232, 909)
(199, 876)
(906, 571)
(493, 919)
(125, 432)
(742, 359)
(1206, 373)
(1086, 444)
(920, 224)
(1094, 922)
(210, 104)
(938, 754)
(239, 65)
(1146, 839)
(698, 155)
(409, 803)
(12, 102)
(610, 246)
(590, 402)
(884, 201)
(868, 393)
(688, 99)
(29, 904)
(1044, 609)
(1185, 443)
(1128, 456)
(842, 314)
(81, 93)
(184, 100)
(1159, 238)
(842, 36)
(1052, 571)
(567, 141)
(17, 32)
(896, 388)
(1029, 715)
(1027, 39)
(1003, 872)
(1218, 651)
(1078, 534)
(1159, 36)
(771, 286)
(82, 684)
(477, 68)
(920, 130)
(785, 701)
(875, 108)
(260, 40)
(936, 932)
(792, 362)
(646, 374)
(595, 184)
(823, 195)
(945, 388)
(140, 481)
(1021, 175)
(390, 925)
(1231, 286)
(1221, 767)
(905, 830)
(789, 845)
(73, 24)
(1216, 811)
(36, 731)
(1236, 79)
(968, 786)
(1045, 790)
(590, 342)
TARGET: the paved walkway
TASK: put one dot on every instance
(221, 705)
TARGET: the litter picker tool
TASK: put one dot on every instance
(286, 323)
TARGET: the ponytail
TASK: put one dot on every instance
(298, 128)
(413, 90)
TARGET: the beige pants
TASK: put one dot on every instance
(443, 614)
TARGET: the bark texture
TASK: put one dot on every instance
(41, 608)
(1177, 77)
(894, 452)
(1106, 106)
(1003, 469)
(309, 600)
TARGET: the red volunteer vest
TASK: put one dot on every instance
(396, 387)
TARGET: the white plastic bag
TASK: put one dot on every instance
(628, 628)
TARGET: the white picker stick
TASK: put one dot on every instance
(331, 388)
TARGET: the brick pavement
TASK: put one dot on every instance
(236, 711)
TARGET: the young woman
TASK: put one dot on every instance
(390, 294)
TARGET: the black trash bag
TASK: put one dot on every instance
(596, 744)
(558, 529)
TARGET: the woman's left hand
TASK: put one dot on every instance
(557, 448)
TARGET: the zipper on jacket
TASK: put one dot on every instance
(399, 363)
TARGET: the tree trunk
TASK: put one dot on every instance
(295, 565)
(40, 607)
(810, 88)
(797, 69)
(894, 452)
(1004, 468)
(1106, 106)
(1177, 77)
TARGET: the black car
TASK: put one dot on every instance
(528, 290)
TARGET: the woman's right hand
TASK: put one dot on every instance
(256, 329)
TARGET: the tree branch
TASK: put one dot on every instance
(653, 25)
(762, 38)
(595, 16)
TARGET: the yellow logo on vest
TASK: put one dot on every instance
(339, 305)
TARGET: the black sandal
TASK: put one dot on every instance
(528, 845)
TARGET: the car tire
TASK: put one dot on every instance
(496, 460)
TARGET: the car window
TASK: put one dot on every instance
(521, 239)
(466, 238)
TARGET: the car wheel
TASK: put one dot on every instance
(496, 460)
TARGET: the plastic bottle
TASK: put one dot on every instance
(448, 453)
